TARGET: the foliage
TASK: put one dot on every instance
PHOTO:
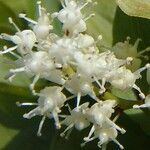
(115, 26)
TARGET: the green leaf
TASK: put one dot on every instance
(4, 16)
(133, 27)
(16, 132)
(8, 135)
(138, 8)
(141, 118)
(134, 134)
(102, 22)
(124, 94)
(148, 76)
(21, 6)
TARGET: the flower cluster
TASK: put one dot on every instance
(73, 62)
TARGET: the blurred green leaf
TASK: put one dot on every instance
(141, 118)
(4, 16)
(8, 135)
(134, 134)
(15, 131)
(139, 8)
(18, 133)
(133, 27)
(102, 22)
(124, 94)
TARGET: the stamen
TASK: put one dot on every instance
(115, 126)
(32, 113)
(23, 16)
(91, 139)
(57, 123)
(17, 70)
(141, 94)
(68, 128)
(88, 17)
(39, 8)
(8, 50)
(5, 36)
(84, 5)
(32, 85)
(144, 51)
(10, 77)
(121, 147)
(12, 22)
(15, 55)
(26, 104)
(40, 126)
(137, 43)
(67, 105)
(102, 88)
(78, 99)
(66, 2)
(62, 3)
(147, 66)
(68, 133)
(90, 134)
(70, 97)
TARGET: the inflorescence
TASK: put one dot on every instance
(73, 62)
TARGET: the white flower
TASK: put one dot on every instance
(24, 40)
(71, 17)
(74, 61)
(123, 78)
(99, 111)
(105, 135)
(43, 26)
(76, 119)
(80, 85)
(99, 67)
(40, 65)
(84, 41)
(100, 114)
(51, 99)
(62, 51)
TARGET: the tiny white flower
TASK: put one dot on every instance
(51, 99)
(62, 51)
(71, 16)
(100, 113)
(123, 78)
(43, 26)
(84, 41)
(80, 85)
(76, 119)
(105, 135)
(38, 64)
(24, 40)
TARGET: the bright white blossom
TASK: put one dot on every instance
(49, 104)
(77, 119)
(74, 63)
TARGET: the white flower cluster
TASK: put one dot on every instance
(74, 63)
